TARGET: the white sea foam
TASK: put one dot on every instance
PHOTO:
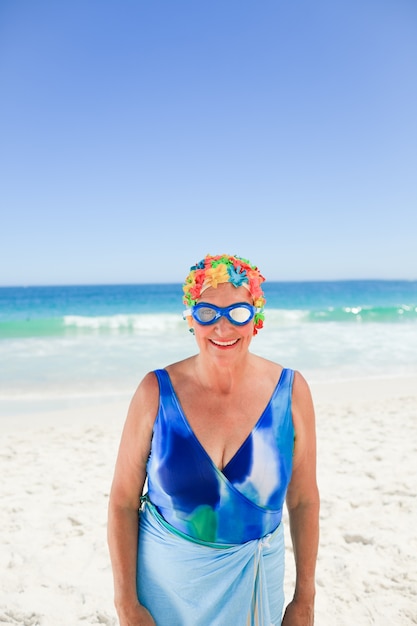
(148, 323)
(286, 316)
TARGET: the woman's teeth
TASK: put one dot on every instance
(225, 343)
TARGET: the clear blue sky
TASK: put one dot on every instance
(138, 135)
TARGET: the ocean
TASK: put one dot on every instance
(62, 345)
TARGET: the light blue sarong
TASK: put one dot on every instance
(185, 582)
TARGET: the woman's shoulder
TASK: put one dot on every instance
(146, 395)
(301, 386)
(185, 367)
(266, 367)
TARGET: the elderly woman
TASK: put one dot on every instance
(223, 438)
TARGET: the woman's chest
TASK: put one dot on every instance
(222, 424)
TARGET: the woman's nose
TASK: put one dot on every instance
(223, 324)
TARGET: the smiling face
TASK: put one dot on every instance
(224, 338)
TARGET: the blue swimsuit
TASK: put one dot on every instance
(241, 502)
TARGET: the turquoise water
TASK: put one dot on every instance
(61, 343)
(52, 311)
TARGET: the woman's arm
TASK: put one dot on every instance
(129, 479)
(303, 507)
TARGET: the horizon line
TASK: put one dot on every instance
(147, 283)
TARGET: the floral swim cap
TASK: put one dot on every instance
(213, 270)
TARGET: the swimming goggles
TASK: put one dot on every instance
(238, 314)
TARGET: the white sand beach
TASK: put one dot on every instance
(56, 468)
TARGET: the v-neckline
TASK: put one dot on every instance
(254, 428)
